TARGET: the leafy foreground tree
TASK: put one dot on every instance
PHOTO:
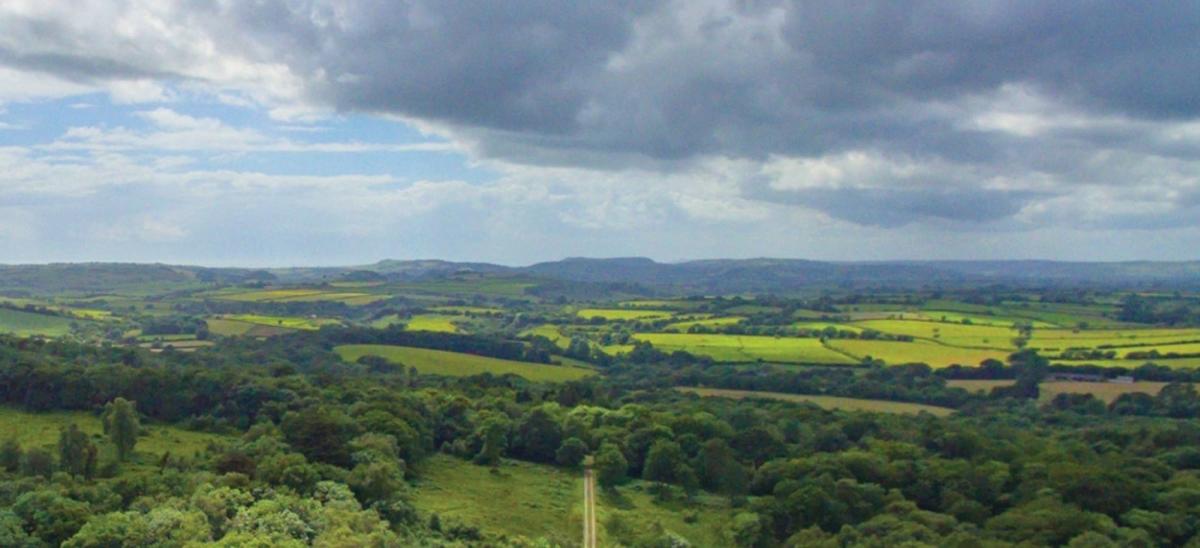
(122, 426)
(610, 465)
(76, 452)
(10, 455)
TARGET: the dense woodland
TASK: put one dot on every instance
(323, 452)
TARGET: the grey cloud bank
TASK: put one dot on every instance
(927, 119)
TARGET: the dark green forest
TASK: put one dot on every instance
(322, 452)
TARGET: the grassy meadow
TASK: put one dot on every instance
(519, 499)
(820, 326)
(26, 324)
(618, 314)
(42, 430)
(683, 326)
(633, 510)
(931, 353)
(955, 334)
(467, 310)
(432, 322)
(538, 501)
(286, 322)
(744, 348)
(550, 332)
(237, 328)
(437, 362)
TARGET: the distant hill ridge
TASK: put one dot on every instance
(712, 275)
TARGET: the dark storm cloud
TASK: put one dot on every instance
(511, 66)
(847, 74)
(1135, 57)
(79, 68)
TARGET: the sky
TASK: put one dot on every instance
(332, 132)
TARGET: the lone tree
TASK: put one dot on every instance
(495, 437)
(76, 453)
(610, 465)
(10, 455)
(121, 425)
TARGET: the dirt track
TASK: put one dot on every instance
(589, 509)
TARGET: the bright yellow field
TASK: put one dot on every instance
(550, 332)
(740, 348)
(302, 295)
(933, 354)
(623, 314)
(1061, 339)
(1185, 348)
(289, 322)
(455, 364)
(227, 328)
(269, 295)
(956, 334)
(1107, 392)
(826, 402)
(432, 322)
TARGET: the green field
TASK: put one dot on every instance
(538, 501)
(266, 295)
(27, 324)
(825, 402)
(42, 429)
(237, 328)
(740, 348)
(466, 310)
(820, 326)
(933, 354)
(520, 499)
(1065, 315)
(1104, 391)
(957, 334)
(753, 309)
(352, 299)
(706, 322)
(438, 362)
(663, 304)
(299, 295)
(432, 322)
(501, 287)
(640, 512)
(1062, 339)
(623, 314)
(1182, 349)
(287, 322)
(550, 332)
